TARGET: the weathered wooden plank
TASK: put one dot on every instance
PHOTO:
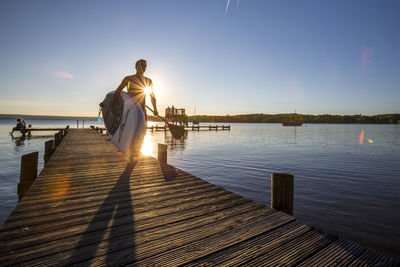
(50, 198)
(71, 202)
(123, 250)
(139, 169)
(78, 246)
(339, 253)
(109, 205)
(253, 247)
(235, 233)
(372, 257)
(147, 219)
(169, 191)
(295, 251)
(47, 194)
(8, 237)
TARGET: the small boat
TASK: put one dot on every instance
(294, 120)
(292, 123)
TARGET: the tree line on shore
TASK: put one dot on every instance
(249, 118)
(279, 118)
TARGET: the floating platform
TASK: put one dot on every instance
(89, 206)
(292, 123)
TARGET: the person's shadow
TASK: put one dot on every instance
(102, 229)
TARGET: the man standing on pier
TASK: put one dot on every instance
(138, 86)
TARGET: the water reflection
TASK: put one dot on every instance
(147, 146)
(19, 142)
(31, 137)
(176, 144)
(151, 139)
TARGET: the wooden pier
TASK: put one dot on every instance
(165, 128)
(89, 206)
(39, 129)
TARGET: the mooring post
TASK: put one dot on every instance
(29, 163)
(48, 150)
(57, 139)
(162, 153)
(282, 185)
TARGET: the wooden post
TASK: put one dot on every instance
(77, 123)
(29, 163)
(48, 150)
(282, 185)
(162, 153)
(57, 139)
(83, 123)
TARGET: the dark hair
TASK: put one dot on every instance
(141, 64)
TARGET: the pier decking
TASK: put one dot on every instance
(90, 207)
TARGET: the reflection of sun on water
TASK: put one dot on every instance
(147, 146)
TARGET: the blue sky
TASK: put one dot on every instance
(338, 57)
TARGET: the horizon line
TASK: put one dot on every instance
(241, 114)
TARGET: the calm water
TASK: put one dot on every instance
(341, 186)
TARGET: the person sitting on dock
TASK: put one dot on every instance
(21, 126)
(138, 86)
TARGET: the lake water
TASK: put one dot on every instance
(341, 186)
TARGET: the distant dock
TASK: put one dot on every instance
(165, 128)
(89, 206)
(40, 129)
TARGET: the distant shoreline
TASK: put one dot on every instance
(47, 117)
(245, 118)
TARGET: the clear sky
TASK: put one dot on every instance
(220, 57)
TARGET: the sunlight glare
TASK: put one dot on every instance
(147, 90)
(147, 146)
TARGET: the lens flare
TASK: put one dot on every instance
(370, 141)
(147, 90)
(361, 138)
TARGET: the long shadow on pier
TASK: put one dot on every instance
(168, 171)
(101, 236)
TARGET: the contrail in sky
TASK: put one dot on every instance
(227, 6)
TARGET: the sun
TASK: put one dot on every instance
(147, 90)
